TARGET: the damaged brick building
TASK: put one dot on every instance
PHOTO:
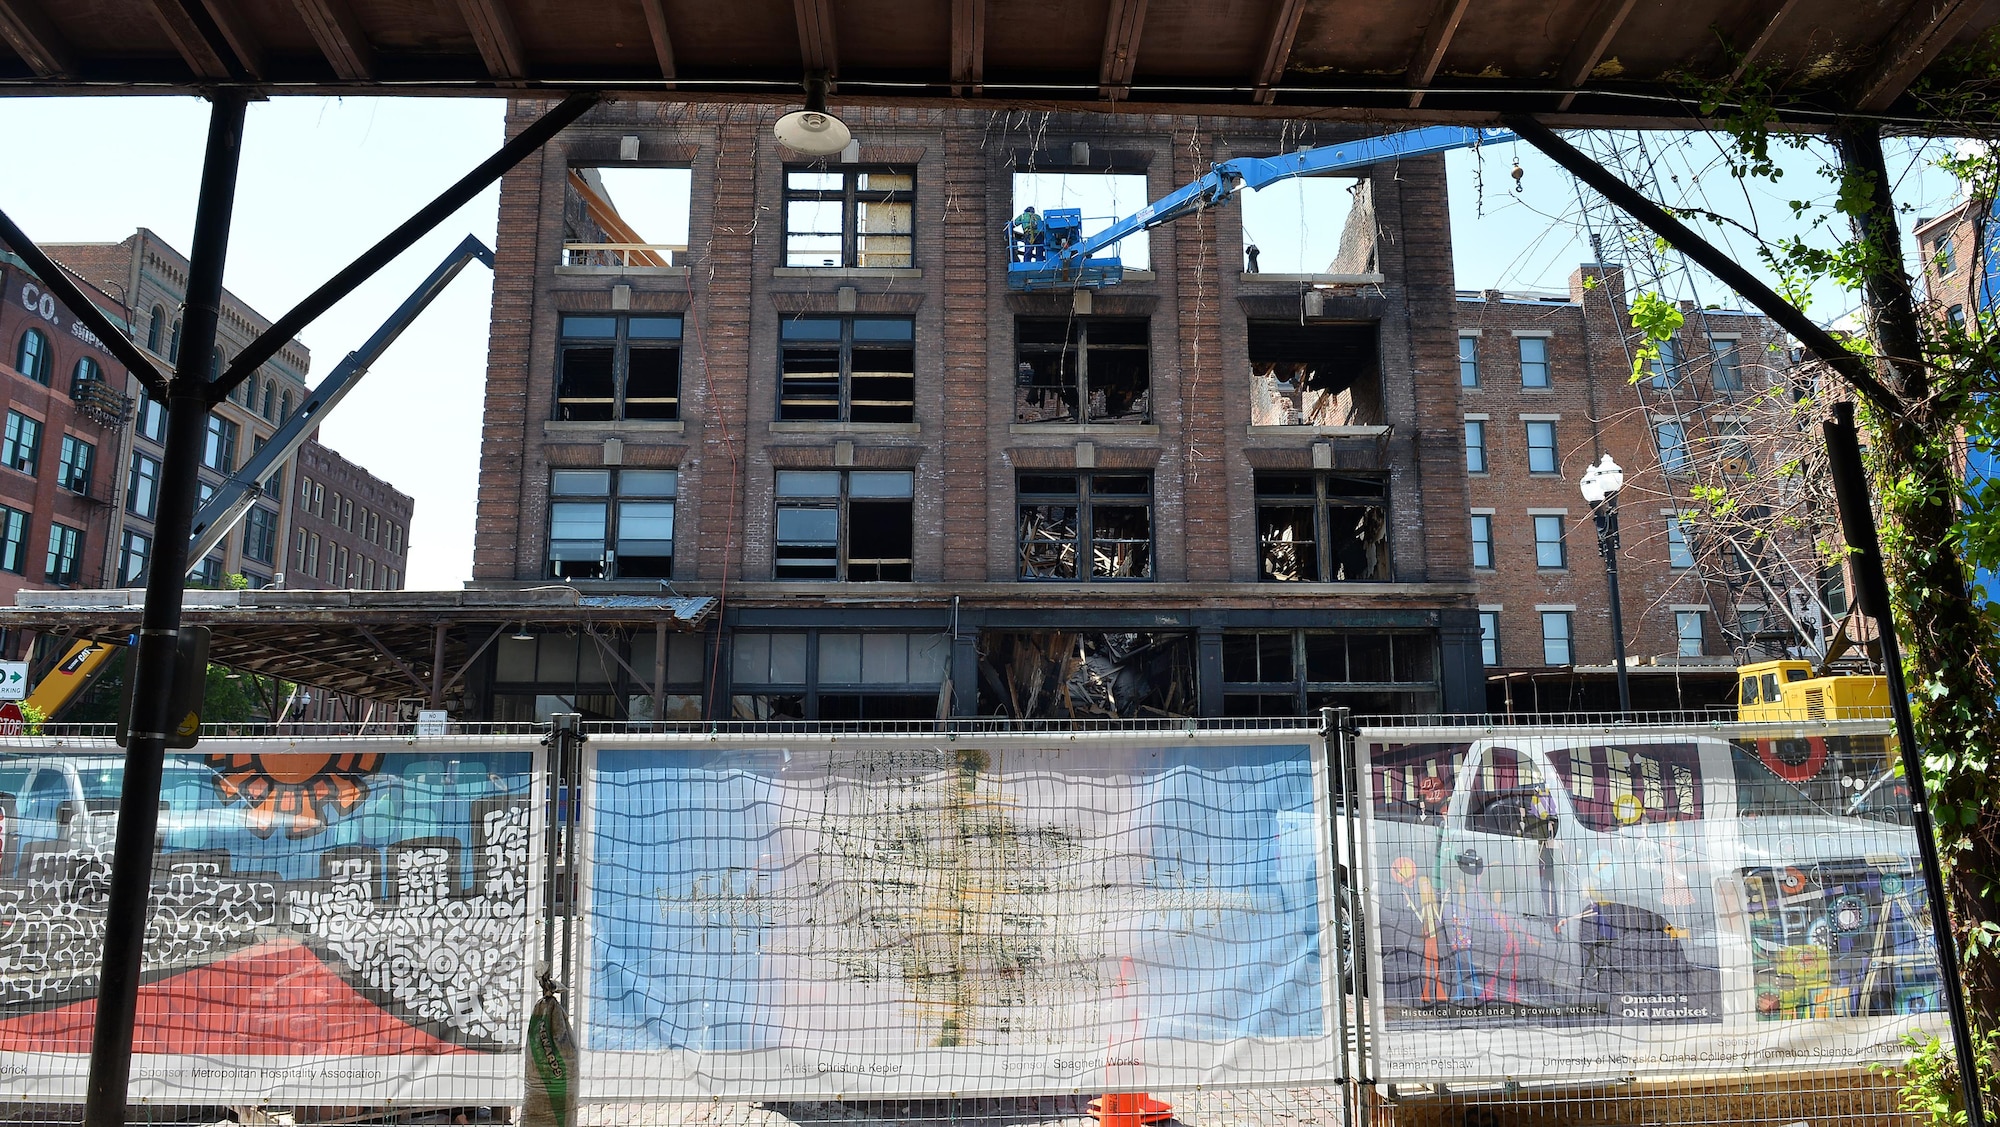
(915, 493)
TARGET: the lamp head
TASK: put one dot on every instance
(813, 131)
(1602, 480)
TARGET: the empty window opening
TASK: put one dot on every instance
(618, 368)
(1061, 675)
(1296, 672)
(620, 216)
(1086, 526)
(849, 369)
(1082, 370)
(849, 217)
(844, 525)
(1311, 225)
(1315, 375)
(1322, 528)
(1103, 197)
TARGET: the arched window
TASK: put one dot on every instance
(87, 371)
(155, 327)
(33, 357)
(174, 349)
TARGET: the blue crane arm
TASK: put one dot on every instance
(1232, 176)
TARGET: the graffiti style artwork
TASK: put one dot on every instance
(1832, 941)
(306, 910)
(841, 917)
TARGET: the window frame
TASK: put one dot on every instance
(1373, 494)
(75, 463)
(260, 535)
(134, 543)
(218, 446)
(34, 355)
(621, 344)
(1944, 251)
(1542, 365)
(1489, 638)
(616, 503)
(1567, 637)
(1699, 638)
(843, 562)
(1682, 459)
(151, 482)
(1468, 360)
(13, 540)
(1667, 368)
(1295, 652)
(1561, 542)
(1472, 427)
(848, 343)
(1085, 499)
(64, 563)
(1725, 355)
(850, 196)
(1553, 452)
(21, 443)
(150, 420)
(1482, 541)
(1072, 370)
(1680, 550)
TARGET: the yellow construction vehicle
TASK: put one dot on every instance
(1855, 773)
(1788, 690)
(72, 675)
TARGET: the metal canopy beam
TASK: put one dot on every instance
(1121, 48)
(199, 41)
(1767, 30)
(1589, 49)
(968, 45)
(663, 44)
(237, 35)
(1278, 50)
(35, 39)
(817, 48)
(1430, 52)
(1927, 29)
(339, 36)
(493, 33)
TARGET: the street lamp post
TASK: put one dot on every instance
(1601, 484)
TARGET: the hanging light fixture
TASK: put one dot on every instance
(813, 131)
(522, 634)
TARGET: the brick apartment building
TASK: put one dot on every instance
(151, 278)
(62, 442)
(1200, 492)
(350, 529)
(1546, 389)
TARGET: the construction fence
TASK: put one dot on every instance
(965, 922)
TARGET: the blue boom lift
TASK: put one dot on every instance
(1063, 258)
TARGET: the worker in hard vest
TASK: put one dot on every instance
(1028, 233)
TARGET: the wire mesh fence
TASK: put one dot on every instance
(969, 922)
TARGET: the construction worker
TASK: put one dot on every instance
(1028, 231)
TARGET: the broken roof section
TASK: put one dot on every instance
(377, 645)
(1573, 61)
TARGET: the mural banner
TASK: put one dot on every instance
(803, 917)
(1556, 903)
(334, 922)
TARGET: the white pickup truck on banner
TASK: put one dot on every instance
(1559, 904)
(802, 917)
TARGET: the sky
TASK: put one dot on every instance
(323, 178)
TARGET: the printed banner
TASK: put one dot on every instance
(335, 924)
(1554, 903)
(870, 916)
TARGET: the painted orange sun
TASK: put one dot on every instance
(301, 790)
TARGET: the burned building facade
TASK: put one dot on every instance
(804, 387)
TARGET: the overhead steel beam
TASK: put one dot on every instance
(1590, 47)
(817, 48)
(1767, 31)
(1122, 29)
(35, 39)
(1278, 50)
(237, 35)
(1927, 29)
(197, 40)
(1430, 50)
(1821, 343)
(408, 670)
(968, 45)
(663, 44)
(401, 239)
(56, 280)
(339, 36)
(493, 33)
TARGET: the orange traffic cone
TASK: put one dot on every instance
(1129, 1109)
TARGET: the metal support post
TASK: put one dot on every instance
(1606, 514)
(1871, 588)
(159, 631)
